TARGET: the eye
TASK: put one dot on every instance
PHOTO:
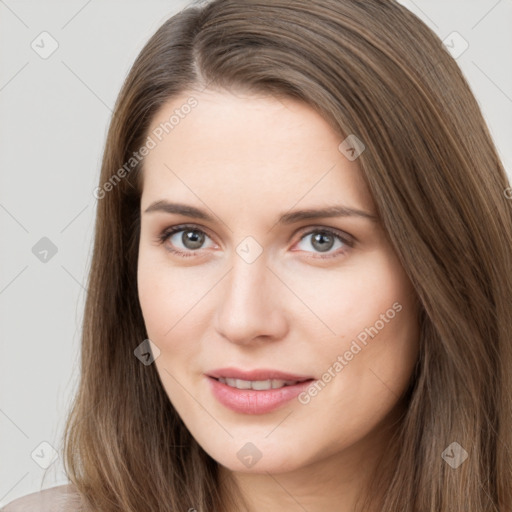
(324, 239)
(191, 239)
(185, 240)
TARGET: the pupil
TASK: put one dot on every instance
(192, 239)
(322, 237)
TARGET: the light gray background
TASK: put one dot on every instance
(54, 115)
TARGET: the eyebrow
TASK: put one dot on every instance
(285, 218)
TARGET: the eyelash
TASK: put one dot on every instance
(167, 233)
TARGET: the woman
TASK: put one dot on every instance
(228, 364)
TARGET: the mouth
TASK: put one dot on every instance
(258, 379)
(255, 391)
(258, 385)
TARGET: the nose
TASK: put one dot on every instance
(251, 304)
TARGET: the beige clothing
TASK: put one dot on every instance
(62, 498)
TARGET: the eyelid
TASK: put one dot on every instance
(176, 228)
(347, 238)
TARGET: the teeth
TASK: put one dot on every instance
(257, 384)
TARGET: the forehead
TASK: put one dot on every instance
(248, 149)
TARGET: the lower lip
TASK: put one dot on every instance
(251, 401)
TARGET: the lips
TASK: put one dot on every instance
(255, 391)
(250, 401)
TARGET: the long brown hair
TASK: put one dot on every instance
(373, 69)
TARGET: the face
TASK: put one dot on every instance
(241, 287)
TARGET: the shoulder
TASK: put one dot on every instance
(63, 498)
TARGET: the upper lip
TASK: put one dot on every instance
(256, 374)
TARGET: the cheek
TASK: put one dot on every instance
(342, 302)
(367, 364)
(163, 301)
(154, 302)
(167, 300)
(369, 317)
(167, 295)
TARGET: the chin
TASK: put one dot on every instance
(258, 456)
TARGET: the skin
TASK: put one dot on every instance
(246, 159)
